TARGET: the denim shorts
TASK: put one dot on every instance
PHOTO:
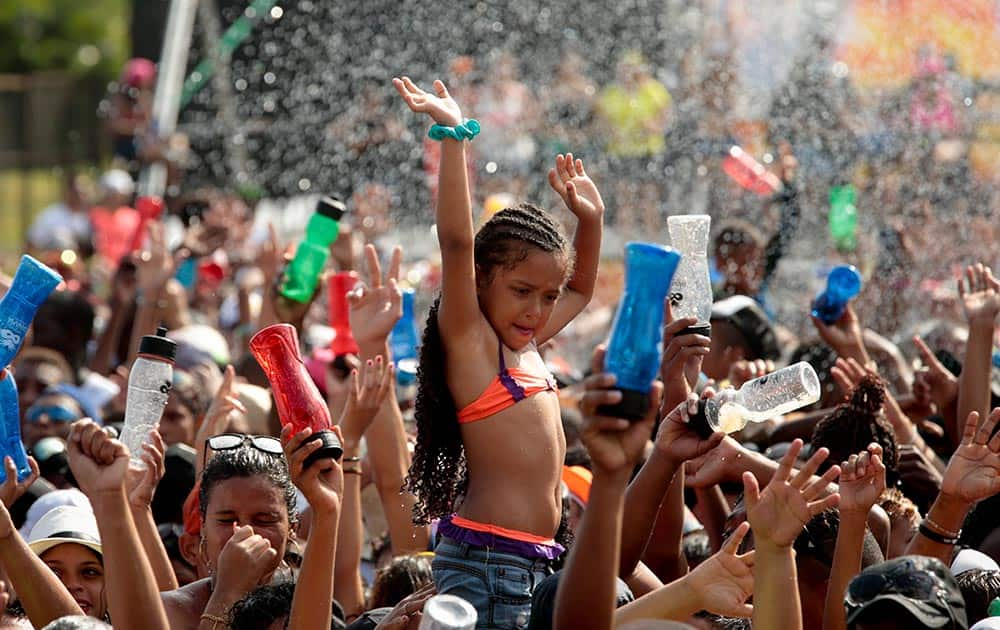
(498, 585)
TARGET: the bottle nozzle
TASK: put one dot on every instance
(161, 331)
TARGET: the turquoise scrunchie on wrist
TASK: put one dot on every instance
(462, 131)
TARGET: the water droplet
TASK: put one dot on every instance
(304, 184)
(269, 78)
(768, 158)
(277, 12)
(491, 167)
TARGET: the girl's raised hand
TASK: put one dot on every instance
(577, 190)
(440, 106)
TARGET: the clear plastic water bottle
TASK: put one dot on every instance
(404, 342)
(448, 612)
(10, 430)
(149, 383)
(302, 274)
(691, 291)
(842, 285)
(761, 399)
(636, 342)
(32, 284)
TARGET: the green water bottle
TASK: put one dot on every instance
(844, 217)
(302, 274)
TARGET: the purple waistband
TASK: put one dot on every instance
(499, 543)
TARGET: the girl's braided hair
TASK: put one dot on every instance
(437, 474)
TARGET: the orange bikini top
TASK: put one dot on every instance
(509, 387)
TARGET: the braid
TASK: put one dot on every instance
(437, 472)
(525, 224)
(437, 475)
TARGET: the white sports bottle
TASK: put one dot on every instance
(149, 383)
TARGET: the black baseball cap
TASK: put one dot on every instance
(744, 314)
(921, 587)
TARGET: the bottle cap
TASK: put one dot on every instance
(159, 345)
(701, 423)
(331, 207)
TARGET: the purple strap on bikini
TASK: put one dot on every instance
(513, 387)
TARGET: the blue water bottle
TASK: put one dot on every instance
(404, 342)
(33, 282)
(10, 430)
(843, 283)
(636, 342)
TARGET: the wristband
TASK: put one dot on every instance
(930, 534)
(348, 460)
(941, 530)
(462, 131)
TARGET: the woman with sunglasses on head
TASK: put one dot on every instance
(247, 507)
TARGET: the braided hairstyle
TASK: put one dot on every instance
(855, 424)
(437, 475)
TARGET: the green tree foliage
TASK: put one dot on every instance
(77, 36)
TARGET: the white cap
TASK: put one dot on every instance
(117, 181)
(50, 501)
(989, 623)
(65, 524)
(448, 612)
(968, 559)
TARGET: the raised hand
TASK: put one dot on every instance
(933, 382)
(244, 561)
(722, 463)
(98, 461)
(225, 402)
(577, 190)
(973, 472)
(746, 370)
(11, 490)
(322, 482)
(614, 444)
(725, 581)
(682, 357)
(676, 439)
(375, 309)
(862, 480)
(778, 514)
(980, 293)
(141, 481)
(848, 374)
(366, 391)
(154, 266)
(440, 106)
(844, 335)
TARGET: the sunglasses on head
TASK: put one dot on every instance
(229, 441)
(904, 579)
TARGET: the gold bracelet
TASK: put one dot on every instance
(215, 619)
(354, 470)
(941, 530)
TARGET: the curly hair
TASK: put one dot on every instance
(437, 475)
(855, 424)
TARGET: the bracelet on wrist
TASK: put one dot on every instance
(352, 470)
(462, 131)
(944, 532)
(216, 620)
(927, 532)
(350, 460)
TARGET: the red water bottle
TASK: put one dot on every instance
(340, 320)
(299, 402)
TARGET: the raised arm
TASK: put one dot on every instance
(141, 483)
(43, 597)
(459, 314)
(374, 310)
(367, 391)
(647, 501)
(862, 481)
(586, 596)
(99, 464)
(322, 483)
(980, 293)
(720, 585)
(582, 198)
(973, 474)
(777, 515)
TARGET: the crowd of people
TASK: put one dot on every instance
(493, 475)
